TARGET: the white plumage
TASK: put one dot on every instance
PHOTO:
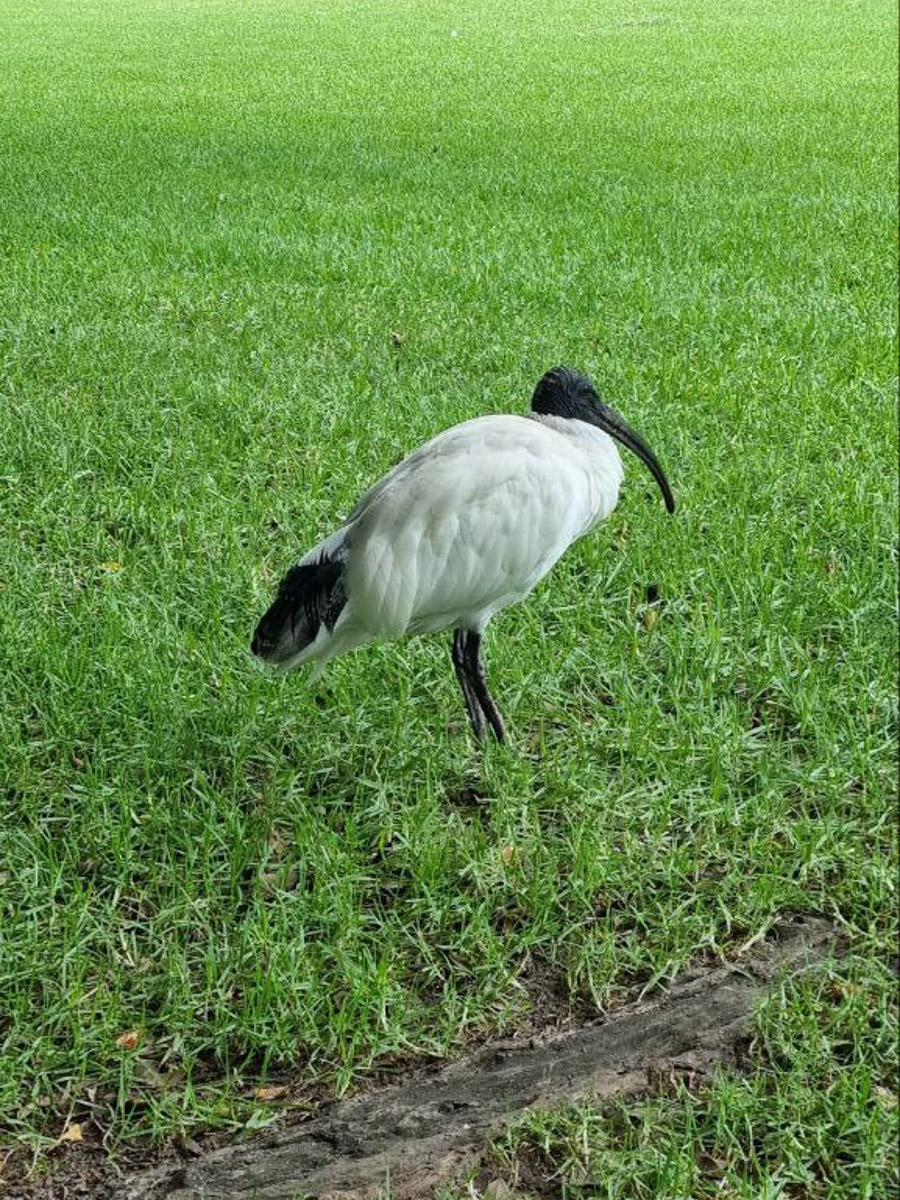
(462, 528)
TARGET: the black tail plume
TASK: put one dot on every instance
(310, 595)
(316, 594)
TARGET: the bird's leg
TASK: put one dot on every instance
(474, 665)
(458, 654)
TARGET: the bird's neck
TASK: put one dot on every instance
(594, 442)
(599, 455)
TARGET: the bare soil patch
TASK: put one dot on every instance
(420, 1132)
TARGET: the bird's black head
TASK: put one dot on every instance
(565, 393)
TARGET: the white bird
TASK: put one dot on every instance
(463, 527)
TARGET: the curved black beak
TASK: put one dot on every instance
(610, 422)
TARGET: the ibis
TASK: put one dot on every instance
(463, 527)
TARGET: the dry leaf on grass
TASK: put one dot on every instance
(280, 880)
(147, 1075)
(72, 1133)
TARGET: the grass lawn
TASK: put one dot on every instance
(214, 218)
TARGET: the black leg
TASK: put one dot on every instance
(474, 666)
(458, 653)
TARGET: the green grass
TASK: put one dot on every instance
(213, 218)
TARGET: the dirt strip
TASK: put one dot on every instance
(417, 1135)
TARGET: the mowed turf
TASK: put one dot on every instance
(254, 253)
